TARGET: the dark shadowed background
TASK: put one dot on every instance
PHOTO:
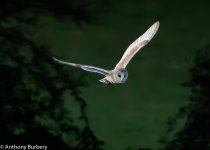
(157, 108)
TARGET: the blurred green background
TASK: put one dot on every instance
(133, 114)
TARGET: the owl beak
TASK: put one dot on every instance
(105, 81)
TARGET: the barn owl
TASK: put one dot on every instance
(119, 74)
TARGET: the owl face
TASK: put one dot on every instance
(120, 75)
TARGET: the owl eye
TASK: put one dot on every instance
(119, 75)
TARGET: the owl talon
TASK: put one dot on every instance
(105, 81)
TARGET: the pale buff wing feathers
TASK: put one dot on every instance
(137, 45)
(85, 67)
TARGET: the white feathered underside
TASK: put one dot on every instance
(137, 45)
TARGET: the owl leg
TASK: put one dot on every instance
(105, 81)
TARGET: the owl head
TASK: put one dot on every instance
(120, 75)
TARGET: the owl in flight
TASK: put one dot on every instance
(119, 74)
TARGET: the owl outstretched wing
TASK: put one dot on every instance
(84, 67)
(137, 45)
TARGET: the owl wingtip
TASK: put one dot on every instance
(157, 23)
(55, 59)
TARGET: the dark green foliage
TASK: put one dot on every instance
(78, 11)
(196, 132)
(33, 88)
